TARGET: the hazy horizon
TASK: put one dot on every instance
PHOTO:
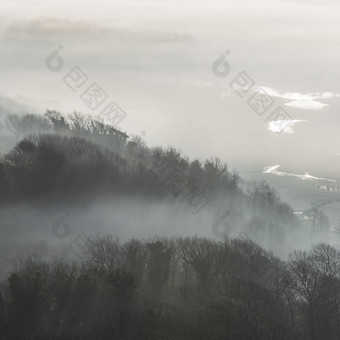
(155, 60)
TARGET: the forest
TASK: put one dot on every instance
(178, 288)
(227, 286)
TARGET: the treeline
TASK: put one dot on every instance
(75, 159)
(14, 128)
(84, 155)
(178, 288)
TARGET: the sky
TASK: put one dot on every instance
(154, 59)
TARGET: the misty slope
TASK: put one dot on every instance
(55, 157)
(76, 161)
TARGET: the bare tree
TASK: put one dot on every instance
(102, 252)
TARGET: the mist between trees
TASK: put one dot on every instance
(210, 274)
(57, 160)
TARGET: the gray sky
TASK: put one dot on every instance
(154, 59)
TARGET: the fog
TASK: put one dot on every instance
(136, 217)
(169, 169)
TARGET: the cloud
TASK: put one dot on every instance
(300, 100)
(47, 28)
(306, 104)
(283, 126)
